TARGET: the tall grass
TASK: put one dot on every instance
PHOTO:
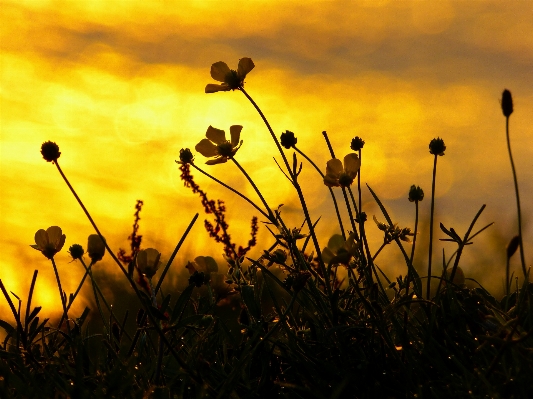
(284, 324)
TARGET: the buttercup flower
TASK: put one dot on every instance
(95, 247)
(49, 241)
(338, 250)
(148, 261)
(230, 79)
(337, 176)
(216, 145)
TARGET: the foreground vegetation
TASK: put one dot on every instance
(301, 321)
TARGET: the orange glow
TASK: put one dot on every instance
(119, 85)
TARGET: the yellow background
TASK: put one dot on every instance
(119, 85)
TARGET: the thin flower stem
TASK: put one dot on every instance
(180, 361)
(79, 287)
(352, 219)
(428, 287)
(234, 191)
(330, 191)
(255, 187)
(63, 304)
(522, 256)
(296, 186)
(408, 278)
(359, 183)
(95, 293)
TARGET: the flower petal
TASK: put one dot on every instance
(54, 234)
(334, 167)
(352, 163)
(59, 244)
(331, 181)
(213, 88)
(41, 239)
(217, 160)
(152, 257)
(206, 148)
(245, 66)
(217, 136)
(219, 70)
(142, 259)
(235, 132)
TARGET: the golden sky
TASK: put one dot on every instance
(119, 85)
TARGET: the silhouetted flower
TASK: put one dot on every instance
(76, 251)
(337, 176)
(216, 145)
(507, 103)
(185, 156)
(288, 140)
(148, 261)
(230, 79)
(50, 151)
(357, 143)
(338, 250)
(416, 194)
(49, 241)
(95, 247)
(437, 147)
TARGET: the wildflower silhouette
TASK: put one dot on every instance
(95, 247)
(337, 176)
(49, 241)
(148, 261)
(231, 80)
(216, 145)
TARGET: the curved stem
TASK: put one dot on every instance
(296, 186)
(522, 256)
(255, 187)
(330, 191)
(428, 287)
(234, 191)
(181, 362)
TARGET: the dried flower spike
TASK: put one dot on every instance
(50, 151)
(507, 103)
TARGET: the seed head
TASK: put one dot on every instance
(76, 251)
(50, 151)
(288, 140)
(357, 143)
(437, 147)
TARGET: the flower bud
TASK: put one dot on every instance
(507, 103)
(288, 140)
(76, 251)
(95, 248)
(357, 143)
(416, 194)
(148, 261)
(437, 147)
(50, 151)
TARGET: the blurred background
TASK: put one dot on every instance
(119, 86)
